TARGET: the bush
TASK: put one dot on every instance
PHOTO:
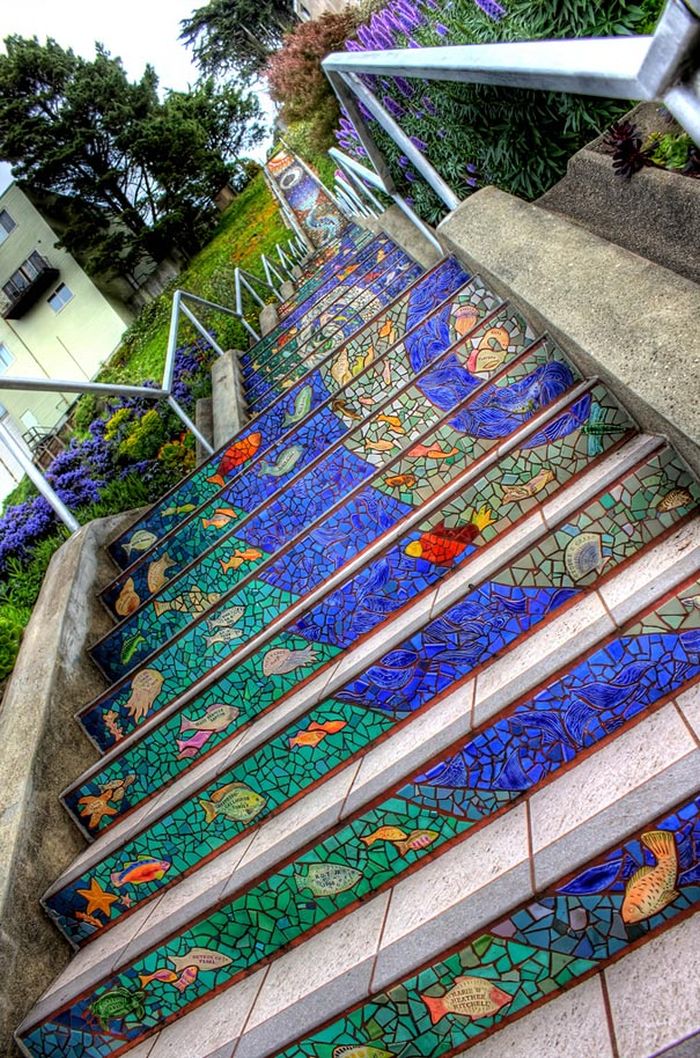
(476, 135)
(296, 79)
(12, 623)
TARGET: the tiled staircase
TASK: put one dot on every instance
(401, 738)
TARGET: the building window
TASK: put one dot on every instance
(6, 225)
(60, 297)
(6, 357)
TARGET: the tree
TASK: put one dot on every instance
(138, 172)
(296, 78)
(237, 35)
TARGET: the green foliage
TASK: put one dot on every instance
(24, 490)
(300, 136)
(130, 175)
(671, 151)
(118, 424)
(122, 494)
(177, 458)
(296, 79)
(249, 227)
(11, 627)
(86, 408)
(23, 579)
(236, 35)
(476, 135)
(144, 437)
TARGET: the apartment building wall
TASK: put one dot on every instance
(68, 332)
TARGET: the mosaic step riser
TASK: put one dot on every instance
(352, 790)
(274, 892)
(259, 366)
(631, 674)
(305, 196)
(614, 920)
(151, 763)
(333, 313)
(286, 425)
(178, 496)
(348, 312)
(325, 263)
(458, 441)
(587, 480)
(264, 796)
(314, 274)
(272, 424)
(331, 450)
(380, 246)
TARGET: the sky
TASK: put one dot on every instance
(138, 31)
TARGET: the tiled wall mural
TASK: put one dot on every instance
(406, 431)
(386, 285)
(486, 620)
(306, 197)
(258, 598)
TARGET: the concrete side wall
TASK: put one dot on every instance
(52, 678)
(629, 321)
(72, 343)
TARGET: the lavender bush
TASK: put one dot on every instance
(472, 134)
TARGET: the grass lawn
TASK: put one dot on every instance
(250, 226)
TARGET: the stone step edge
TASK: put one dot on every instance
(481, 564)
(635, 777)
(339, 443)
(352, 788)
(250, 423)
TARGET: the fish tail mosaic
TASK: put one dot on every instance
(374, 358)
(655, 656)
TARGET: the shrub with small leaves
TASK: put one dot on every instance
(11, 629)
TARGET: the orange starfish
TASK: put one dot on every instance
(98, 899)
(97, 806)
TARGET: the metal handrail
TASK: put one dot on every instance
(661, 67)
(162, 392)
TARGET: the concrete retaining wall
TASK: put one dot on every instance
(41, 747)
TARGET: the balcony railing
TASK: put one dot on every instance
(26, 285)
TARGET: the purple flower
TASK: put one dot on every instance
(405, 87)
(441, 29)
(429, 105)
(470, 167)
(419, 144)
(491, 8)
(471, 181)
(393, 107)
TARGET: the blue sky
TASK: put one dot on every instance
(139, 31)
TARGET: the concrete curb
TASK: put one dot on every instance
(37, 839)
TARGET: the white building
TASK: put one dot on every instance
(54, 321)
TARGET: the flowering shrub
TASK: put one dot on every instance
(129, 437)
(475, 135)
(296, 79)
